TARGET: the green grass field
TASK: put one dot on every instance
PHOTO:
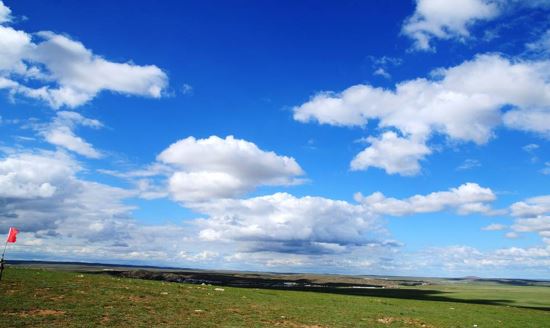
(43, 298)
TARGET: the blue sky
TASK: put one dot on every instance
(370, 137)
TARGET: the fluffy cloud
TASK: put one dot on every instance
(24, 177)
(13, 47)
(465, 199)
(373, 258)
(62, 216)
(465, 260)
(5, 13)
(531, 207)
(446, 20)
(60, 132)
(287, 224)
(224, 168)
(391, 153)
(538, 224)
(535, 120)
(40, 192)
(464, 103)
(440, 19)
(315, 225)
(533, 215)
(68, 74)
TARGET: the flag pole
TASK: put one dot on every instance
(2, 260)
(4, 252)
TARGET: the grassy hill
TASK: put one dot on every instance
(51, 298)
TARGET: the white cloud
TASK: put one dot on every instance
(511, 235)
(385, 61)
(13, 47)
(391, 153)
(63, 136)
(149, 190)
(532, 120)
(78, 219)
(530, 147)
(533, 215)
(197, 257)
(152, 170)
(62, 216)
(531, 150)
(187, 89)
(466, 260)
(72, 218)
(531, 207)
(537, 224)
(381, 65)
(60, 132)
(282, 223)
(469, 164)
(66, 72)
(287, 224)
(446, 20)
(382, 72)
(464, 103)
(224, 168)
(542, 45)
(5, 13)
(376, 258)
(23, 177)
(465, 199)
(455, 20)
(198, 170)
(41, 192)
(494, 227)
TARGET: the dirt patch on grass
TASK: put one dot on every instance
(105, 319)
(386, 320)
(57, 298)
(234, 310)
(40, 313)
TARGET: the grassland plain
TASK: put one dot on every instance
(46, 298)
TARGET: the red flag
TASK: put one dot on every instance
(12, 235)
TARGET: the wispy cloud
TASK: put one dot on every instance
(469, 164)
